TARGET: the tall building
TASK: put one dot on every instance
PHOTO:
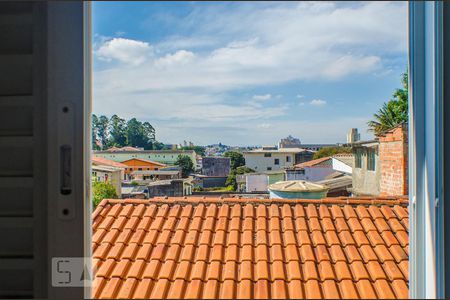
(289, 142)
(353, 136)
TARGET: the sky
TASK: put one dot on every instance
(248, 73)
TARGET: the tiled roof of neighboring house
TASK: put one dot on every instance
(346, 158)
(313, 163)
(198, 247)
(146, 161)
(126, 148)
(106, 162)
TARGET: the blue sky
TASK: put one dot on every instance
(248, 73)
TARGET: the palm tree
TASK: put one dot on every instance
(392, 113)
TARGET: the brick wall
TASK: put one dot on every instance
(393, 158)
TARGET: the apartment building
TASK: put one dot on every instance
(274, 158)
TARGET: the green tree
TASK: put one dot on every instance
(237, 159)
(118, 131)
(101, 129)
(330, 151)
(186, 165)
(394, 112)
(135, 133)
(94, 131)
(102, 190)
(231, 182)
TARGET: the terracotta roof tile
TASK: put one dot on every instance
(243, 248)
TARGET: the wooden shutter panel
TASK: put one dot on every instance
(34, 80)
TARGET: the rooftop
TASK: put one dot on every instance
(197, 247)
(106, 162)
(279, 150)
(313, 163)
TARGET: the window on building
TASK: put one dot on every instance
(358, 158)
(139, 169)
(371, 153)
(269, 168)
(267, 154)
(276, 161)
(288, 159)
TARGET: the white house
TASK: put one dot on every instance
(273, 158)
(313, 170)
(343, 163)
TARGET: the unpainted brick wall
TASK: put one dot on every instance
(393, 156)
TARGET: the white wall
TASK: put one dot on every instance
(259, 163)
(312, 174)
(256, 183)
(340, 166)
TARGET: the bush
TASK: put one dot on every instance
(102, 190)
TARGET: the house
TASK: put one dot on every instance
(162, 174)
(108, 174)
(167, 157)
(100, 161)
(170, 188)
(343, 162)
(381, 166)
(273, 159)
(313, 170)
(231, 248)
(216, 166)
(205, 181)
(140, 164)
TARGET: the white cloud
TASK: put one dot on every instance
(318, 102)
(179, 57)
(262, 97)
(124, 50)
(300, 96)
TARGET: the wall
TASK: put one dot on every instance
(394, 162)
(259, 163)
(341, 167)
(256, 183)
(168, 157)
(317, 173)
(174, 189)
(366, 182)
(216, 166)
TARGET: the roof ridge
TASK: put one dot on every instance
(390, 201)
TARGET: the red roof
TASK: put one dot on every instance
(145, 160)
(312, 163)
(196, 247)
(106, 162)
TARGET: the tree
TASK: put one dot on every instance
(149, 135)
(117, 131)
(135, 133)
(330, 151)
(237, 159)
(186, 165)
(231, 179)
(102, 190)
(101, 129)
(392, 113)
(95, 146)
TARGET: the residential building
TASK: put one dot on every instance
(170, 188)
(108, 174)
(153, 175)
(216, 166)
(273, 159)
(290, 142)
(317, 147)
(313, 170)
(353, 136)
(140, 164)
(167, 157)
(343, 162)
(100, 161)
(381, 166)
(231, 248)
(125, 148)
(135, 191)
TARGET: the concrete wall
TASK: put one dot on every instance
(366, 182)
(175, 189)
(256, 183)
(310, 174)
(259, 163)
(216, 166)
(211, 182)
(394, 162)
(168, 157)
